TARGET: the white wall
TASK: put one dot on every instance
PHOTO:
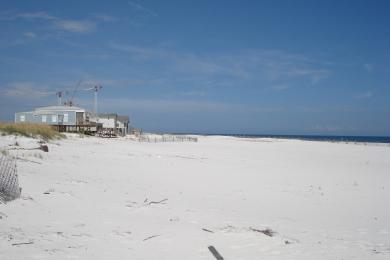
(107, 123)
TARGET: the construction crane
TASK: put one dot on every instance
(58, 93)
(70, 101)
(95, 88)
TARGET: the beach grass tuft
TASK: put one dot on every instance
(45, 132)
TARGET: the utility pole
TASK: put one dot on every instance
(95, 105)
(59, 95)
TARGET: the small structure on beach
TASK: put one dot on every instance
(112, 124)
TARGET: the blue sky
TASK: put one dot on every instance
(260, 67)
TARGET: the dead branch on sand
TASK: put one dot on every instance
(157, 202)
(215, 253)
(151, 237)
(268, 232)
(22, 243)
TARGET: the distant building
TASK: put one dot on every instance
(53, 115)
(112, 124)
(64, 118)
(76, 119)
(123, 124)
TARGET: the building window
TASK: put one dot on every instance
(54, 118)
(66, 118)
(44, 118)
(22, 118)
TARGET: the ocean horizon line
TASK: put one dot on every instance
(308, 137)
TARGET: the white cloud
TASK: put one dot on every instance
(26, 90)
(75, 26)
(194, 93)
(369, 67)
(138, 7)
(27, 15)
(363, 95)
(60, 23)
(315, 74)
(97, 56)
(274, 67)
(141, 53)
(280, 87)
(105, 17)
(30, 34)
(178, 106)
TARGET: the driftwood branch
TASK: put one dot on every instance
(215, 253)
(151, 237)
(23, 243)
(268, 232)
(157, 202)
(44, 148)
(207, 230)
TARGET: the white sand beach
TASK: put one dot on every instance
(94, 198)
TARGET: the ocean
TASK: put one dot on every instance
(329, 138)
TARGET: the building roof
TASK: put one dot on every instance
(60, 108)
(123, 119)
(107, 115)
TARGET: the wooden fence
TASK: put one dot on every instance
(166, 138)
(9, 183)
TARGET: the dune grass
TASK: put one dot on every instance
(45, 132)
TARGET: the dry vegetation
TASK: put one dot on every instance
(30, 130)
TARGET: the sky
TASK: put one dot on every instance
(233, 67)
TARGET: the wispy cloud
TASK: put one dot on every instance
(273, 68)
(140, 8)
(180, 106)
(60, 23)
(105, 17)
(75, 26)
(30, 34)
(363, 95)
(25, 91)
(97, 56)
(280, 87)
(141, 53)
(315, 74)
(8, 15)
(194, 93)
(369, 67)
